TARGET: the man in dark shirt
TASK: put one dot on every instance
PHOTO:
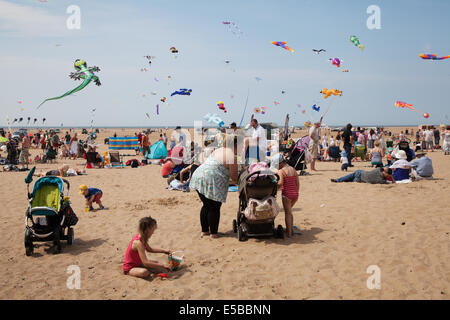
(348, 139)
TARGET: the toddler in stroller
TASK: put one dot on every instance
(257, 205)
(49, 213)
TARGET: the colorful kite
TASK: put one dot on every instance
(400, 104)
(336, 62)
(182, 92)
(174, 51)
(163, 99)
(432, 57)
(258, 79)
(221, 106)
(316, 108)
(355, 41)
(328, 92)
(346, 70)
(149, 59)
(426, 115)
(282, 44)
(157, 109)
(276, 103)
(83, 72)
(261, 110)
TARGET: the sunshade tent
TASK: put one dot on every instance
(158, 150)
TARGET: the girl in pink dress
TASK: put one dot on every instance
(135, 262)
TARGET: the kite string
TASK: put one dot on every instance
(245, 108)
(329, 106)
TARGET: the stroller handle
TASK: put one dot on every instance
(68, 186)
(266, 172)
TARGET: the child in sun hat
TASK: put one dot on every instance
(92, 195)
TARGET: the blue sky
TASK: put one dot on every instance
(115, 35)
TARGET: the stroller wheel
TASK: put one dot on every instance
(70, 236)
(235, 226)
(280, 232)
(241, 234)
(28, 244)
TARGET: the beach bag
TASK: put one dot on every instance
(70, 218)
(264, 209)
(134, 163)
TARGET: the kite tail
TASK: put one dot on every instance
(80, 87)
(445, 57)
(361, 46)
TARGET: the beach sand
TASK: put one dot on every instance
(403, 229)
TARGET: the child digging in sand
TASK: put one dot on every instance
(290, 186)
(92, 195)
(135, 262)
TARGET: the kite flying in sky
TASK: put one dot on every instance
(316, 108)
(336, 62)
(183, 92)
(355, 41)
(319, 51)
(282, 44)
(328, 92)
(432, 57)
(221, 106)
(400, 104)
(83, 72)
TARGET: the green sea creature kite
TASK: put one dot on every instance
(83, 72)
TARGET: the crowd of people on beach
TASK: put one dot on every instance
(216, 166)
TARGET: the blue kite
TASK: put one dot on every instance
(315, 108)
(183, 92)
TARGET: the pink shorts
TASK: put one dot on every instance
(97, 197)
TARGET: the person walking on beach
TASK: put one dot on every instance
(135, 261)
(348, 140)
(428, 137)
(73, 147)
(211, 180)
(146, 144)
(25, 152)
(314, 143)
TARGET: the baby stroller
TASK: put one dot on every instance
(296, 157)
(264, 184)
(49, 213)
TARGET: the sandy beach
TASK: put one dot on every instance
(403, 229)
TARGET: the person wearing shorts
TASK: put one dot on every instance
(92, 195)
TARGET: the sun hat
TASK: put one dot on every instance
(275, 160)
(401, 155)
(83, 188)
(420, 153)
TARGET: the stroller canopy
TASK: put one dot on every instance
(47, 194)
(158, 150)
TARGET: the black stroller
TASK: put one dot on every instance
(49, 213)
(296, 155)
(263, 185)
(404, 145)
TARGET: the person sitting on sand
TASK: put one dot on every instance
(376, 176)
(91, 195)
(401, 167)
(135, 261)
(421, 167)
(376, 155)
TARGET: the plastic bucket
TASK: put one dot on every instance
(175, 260)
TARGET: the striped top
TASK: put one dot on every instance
(289, 188)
